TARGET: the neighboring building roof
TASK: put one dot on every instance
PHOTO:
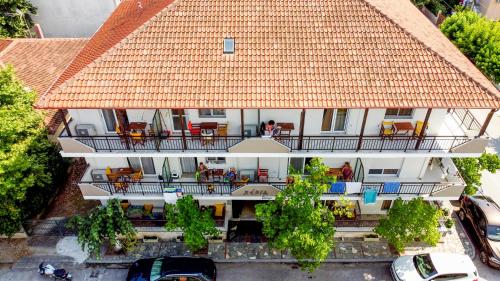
(288, 54)
(39, 62)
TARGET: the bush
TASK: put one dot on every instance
(449, 223)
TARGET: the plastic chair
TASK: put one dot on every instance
(387, 128)
(219, 210)
(263, 175)
(418, 128)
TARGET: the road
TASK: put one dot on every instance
(234, 272)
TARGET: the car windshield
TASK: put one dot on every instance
(494, 232)
(424, 265)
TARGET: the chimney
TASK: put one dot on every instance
(38, 31)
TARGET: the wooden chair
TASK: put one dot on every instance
(121, 186)
(138, 137)
(418, 128)
(217, 174)
(387, 129)
(222, 130)
(136, 176)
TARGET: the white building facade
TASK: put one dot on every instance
(145, 118)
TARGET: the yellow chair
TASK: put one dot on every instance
(136, 176)
(219, 209)
(137, 137)
(418, 128)
(148, 209)
(387, 128)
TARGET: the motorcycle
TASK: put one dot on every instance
(57, 274)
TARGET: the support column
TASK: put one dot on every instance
(65, 122)
(486, 122)
(360, 141)
(242, 121)
(301, 129)
(183, 133)
(424, 126)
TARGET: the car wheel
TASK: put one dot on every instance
(483, 257)
(461, 215)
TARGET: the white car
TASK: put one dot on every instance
(435, 267)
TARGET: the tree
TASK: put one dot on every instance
(470, 170)
(297, 220)
(478, 38)
(15, 18)
(103, 223)
(29, 163)
(410, 220)
(195, 224)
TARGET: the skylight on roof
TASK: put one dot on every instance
(228, 45)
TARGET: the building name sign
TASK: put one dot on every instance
(256, 190)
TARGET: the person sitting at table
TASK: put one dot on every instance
(230, 176)
(347, 172)
(270, 127)
(203, 171)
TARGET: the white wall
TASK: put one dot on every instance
(412, 167)
(87, 116)
(373, 209)
(72, 18)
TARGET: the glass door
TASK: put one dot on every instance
(334, 120)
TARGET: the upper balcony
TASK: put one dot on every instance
(294, 131)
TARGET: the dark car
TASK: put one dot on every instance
(172, 269)
(484, 215)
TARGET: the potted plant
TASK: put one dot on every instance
(449, 223)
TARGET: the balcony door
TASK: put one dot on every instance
(146, 164)
(334, 120)
(113, 118)
(176, 119)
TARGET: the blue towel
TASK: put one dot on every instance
(337, 187)
(370, 196)
(391, 187)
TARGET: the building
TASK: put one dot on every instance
(164, 86)
(38, 63)
(487, 8)
(72, 18)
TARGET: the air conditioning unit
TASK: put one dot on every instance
(99, 175)
(85, 130)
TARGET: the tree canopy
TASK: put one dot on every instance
(410, 220)
(195, 224)
(298, 221)
(15, 18)
(103, 223)
(29, 163)
(470, 169)
(478, 38)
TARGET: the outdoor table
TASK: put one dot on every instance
(403, 128)
(137, 126)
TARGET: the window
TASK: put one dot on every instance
(214, 113)
(334, 120)
(176, 119)
(216, 160)
(424, 266)
(109, 119)
(399, 113)
(393, 172)
(386, 205)
(229, 45)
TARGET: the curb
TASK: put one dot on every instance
(292, 261)
(455, 216)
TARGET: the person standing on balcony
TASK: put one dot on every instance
(203, 172)
(347, 172)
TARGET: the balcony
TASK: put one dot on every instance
(326, 143)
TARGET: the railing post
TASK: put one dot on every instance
(301, 129)
(109, 146)
(183, 133)
(420, 189)
(486, 122)
(432, 144)
(362, 132)
(382, 144)
(424, 126)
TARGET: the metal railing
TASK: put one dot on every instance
(223, 188)
(308, 143)
(466, 119)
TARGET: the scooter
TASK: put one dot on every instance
(57, 274)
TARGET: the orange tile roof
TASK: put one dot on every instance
(289, 54)
(39, 62)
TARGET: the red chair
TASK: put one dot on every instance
(263, 175)
(194, 129)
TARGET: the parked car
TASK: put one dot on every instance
(172, 269)
(434, 266)
(484, 215)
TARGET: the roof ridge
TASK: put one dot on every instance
(488, 91)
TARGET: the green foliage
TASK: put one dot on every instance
(478, 38)
(298, 221)
(195, 224)
(470, 170)
(29, 163)
(436, 5)
(101, 224)
(449, 223)
(410, 220)
(15, 19)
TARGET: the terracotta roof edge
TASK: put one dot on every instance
(488, 91)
